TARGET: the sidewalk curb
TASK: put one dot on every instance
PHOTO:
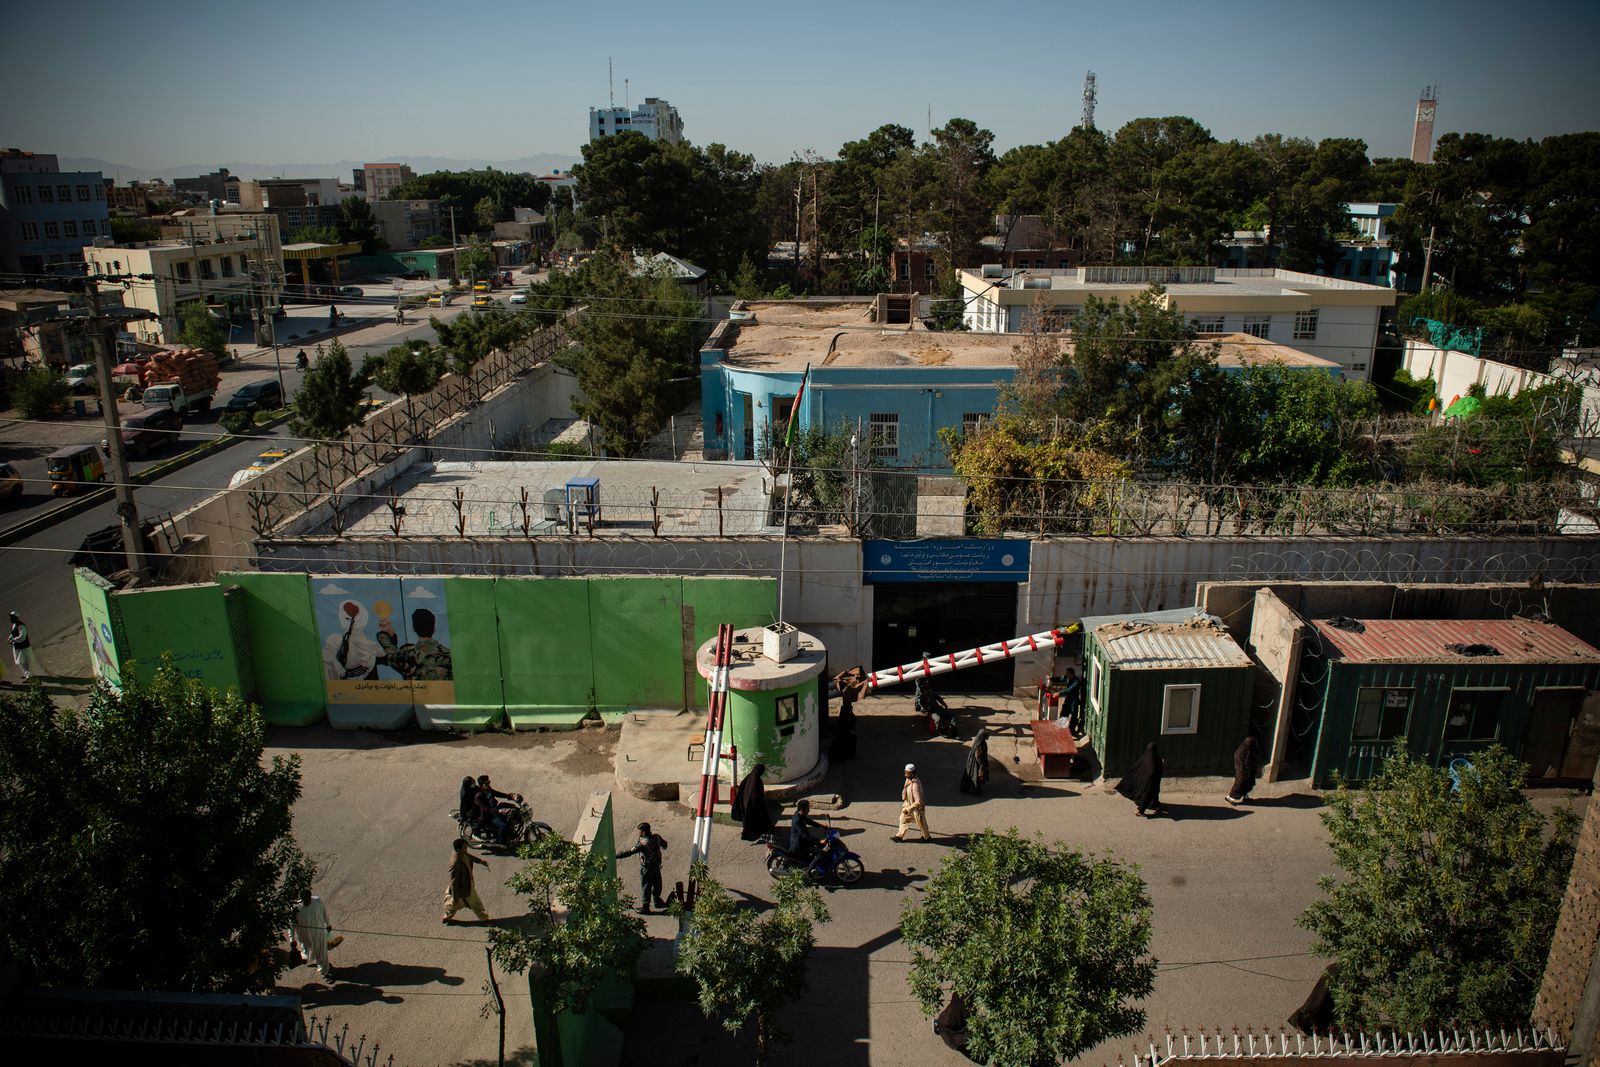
(44, 520)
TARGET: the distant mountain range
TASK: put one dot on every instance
(539, 163)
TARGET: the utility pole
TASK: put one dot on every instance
(1427, 262)
(121, 484)
(455, 275)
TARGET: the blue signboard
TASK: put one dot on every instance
(955, 559)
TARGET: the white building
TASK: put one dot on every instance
(655, 118)
(1328, 317)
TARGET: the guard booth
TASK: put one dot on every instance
(772, 713)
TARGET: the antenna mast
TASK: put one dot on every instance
(1089, 94)
(627, 95)
(611, 85)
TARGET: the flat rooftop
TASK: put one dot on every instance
(787, 336)
(1243, 350)
(1179, 281)
(1443, 641)
(685, 495)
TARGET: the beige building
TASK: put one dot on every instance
(233, 263)
(1332, 318)
(378, 180)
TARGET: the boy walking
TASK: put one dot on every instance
(461, 893)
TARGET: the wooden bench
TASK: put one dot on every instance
(1058, 752)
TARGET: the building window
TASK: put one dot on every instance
(1257, 325)
(1208, 323)
(1094, 682)
(1382, 714)
(183, 272)
(294, 217)
(884, 428)
(1474, 714)
(786, 710)
(905, 268)
(23, 193)
(929, 269)
(99, 192)
(64, 193)
(1062, 264)
(46, 195)
(30, 231)
(83, 193)
(88, 227)
(51, 231)
(69, 228)
(972, 422)
(1361, 367)
(1180, 709)
(227, 266)
(1305, 325)
(782, 407)
(207, 272)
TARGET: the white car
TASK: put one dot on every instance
(519, 297)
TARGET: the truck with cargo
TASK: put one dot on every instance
(184, 380)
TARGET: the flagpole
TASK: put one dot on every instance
(788, 489)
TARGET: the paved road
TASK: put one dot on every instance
(35, 579)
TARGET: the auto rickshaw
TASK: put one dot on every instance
(74, 467)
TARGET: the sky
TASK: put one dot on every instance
(157, 84)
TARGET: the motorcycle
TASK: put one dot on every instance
(829, 857)
(521, 827)
(931, 706)
(301, 362)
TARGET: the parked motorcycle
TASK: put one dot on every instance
(931, 706)
(829, 857)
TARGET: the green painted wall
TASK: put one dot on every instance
(546, 649)
(99, 629)
(475, 657)
(636, 632)
(788, 751)
(283, 644)
(190, 622)
(743, 602)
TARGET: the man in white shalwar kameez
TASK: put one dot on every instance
(311, 930)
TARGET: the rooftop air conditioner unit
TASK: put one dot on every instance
(993, 270)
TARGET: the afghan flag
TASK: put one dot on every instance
(794, 411)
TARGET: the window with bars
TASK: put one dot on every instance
(972, 422)
(51, 231)
(1208, 324)
(64, 193)
(1257, 325)
(47, 195)
(83, 193)
(69, 228)
(23, 194)
(1305, 325)
(30, 231)
(884, 431)
(89, 227)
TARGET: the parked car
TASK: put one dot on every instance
(519, 297)
(480, 287)
(437, 299)
(483, 300)
(144, 433)
(414, 275)
(10, 482)
(80, 379)
(350, 290)
(264, 395)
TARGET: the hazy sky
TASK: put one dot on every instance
(154, 84)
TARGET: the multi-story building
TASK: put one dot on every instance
(1328, 317)
(232, 263)
(1365, 258)
(213, 186)
(47, 215)
(655, 118)
(408, 223)
(378, 180)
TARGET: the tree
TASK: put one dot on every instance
(408, 369)
(41, 393)
(198, 328)
(833, 480)
(490, 210)
(1448, 897)
(149, 837)
(469, 338)
(748, 966)
(476, 260)
(578, 932)
(357, 225)
(322, 235)
(1048, 948)
(625, 360)
(747, 282)
(467, 188)
(328, 401)
(128, 229)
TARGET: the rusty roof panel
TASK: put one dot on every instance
(1427, 641)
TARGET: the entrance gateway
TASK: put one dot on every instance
(943, 595)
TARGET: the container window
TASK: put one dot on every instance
(787, 709)
(1094, 682)
(1474, 714)
(1180, 709)
(1382, 714)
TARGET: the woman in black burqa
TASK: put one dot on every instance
(1142, 783)
(1246, 765)
(976, 772)
(750, 805)
(843, 745)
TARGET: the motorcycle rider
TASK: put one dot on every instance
(801, 842)
(931, 704)
(301, 361)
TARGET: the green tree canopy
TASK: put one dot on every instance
(328, 401)
(467, 339)
(198, 328)
(1447, 898)
(322, 235)
(748, 965)
(407, 369)
(468, 188)
(476, 259)
(357, 225)
(149, 837)
(1048, 948)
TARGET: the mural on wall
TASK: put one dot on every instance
(384, 640)
(94, 609)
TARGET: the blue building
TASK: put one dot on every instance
(46, 216)
(898, 384)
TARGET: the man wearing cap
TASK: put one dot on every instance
(912, 809)
(648, 850)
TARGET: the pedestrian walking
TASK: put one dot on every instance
(1142, 783)
(22, 649)
(1246, 765)
(913, 808)
(976, 773)
(750, 805)
(311, 930)
(461, 892)
(648, 848)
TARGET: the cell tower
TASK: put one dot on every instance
(1089, 94)
(1422, 133)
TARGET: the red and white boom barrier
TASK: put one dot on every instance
(972, 657)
